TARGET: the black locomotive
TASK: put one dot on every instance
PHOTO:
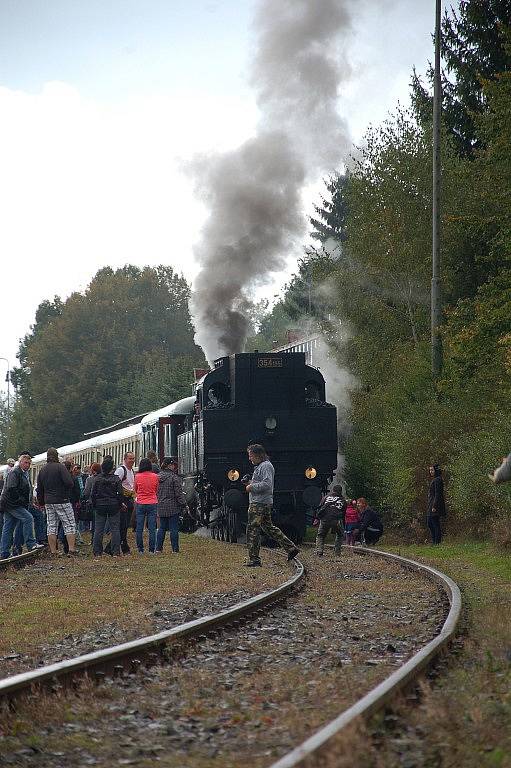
(268, 398)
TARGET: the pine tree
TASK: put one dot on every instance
(473, 49)
(332, 213)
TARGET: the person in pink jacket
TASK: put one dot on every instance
(351, 518)
(146, 488)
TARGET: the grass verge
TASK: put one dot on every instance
(44, 602)
(464, 717)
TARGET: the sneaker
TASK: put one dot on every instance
(253, 564)
(36, 547)
(292, 553)
(319, 554)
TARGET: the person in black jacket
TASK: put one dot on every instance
(370, 524)
(107, 499)
(15, 501)
(436, 503)
(330, 515)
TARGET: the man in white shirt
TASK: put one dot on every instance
(127, 476)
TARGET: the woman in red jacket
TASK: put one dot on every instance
(146, 486)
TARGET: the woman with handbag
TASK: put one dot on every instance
(171, 503)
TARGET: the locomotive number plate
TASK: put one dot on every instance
(269, 362)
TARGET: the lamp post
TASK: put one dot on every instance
(8, 380)
(436, 293)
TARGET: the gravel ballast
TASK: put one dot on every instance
(245, 695)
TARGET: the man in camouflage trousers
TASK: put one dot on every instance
(260, 490)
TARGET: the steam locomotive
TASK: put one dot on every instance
(269, 398)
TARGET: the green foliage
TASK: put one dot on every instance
(87, 360)
(157, 381)
(473, 49)
(478, 344)
(377, 283)
(475, 453)
(332, 213)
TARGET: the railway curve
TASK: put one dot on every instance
(234, 650)
(382, 693)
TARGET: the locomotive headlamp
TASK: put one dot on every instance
(233, 475)
(310, 473)
(270, 422)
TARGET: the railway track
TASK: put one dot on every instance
(121, 661)
(20, 560)
(318, 744)
(150, 648)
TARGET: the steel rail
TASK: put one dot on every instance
(19, 560)
(150, 646)
(380, 695)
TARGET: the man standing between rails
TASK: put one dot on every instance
(125, 472)
(15, 503)
(260, 490)
(54, 486)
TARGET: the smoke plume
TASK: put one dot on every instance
(254, 192)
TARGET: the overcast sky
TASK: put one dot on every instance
(102, 102)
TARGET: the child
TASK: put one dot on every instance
(351, 518)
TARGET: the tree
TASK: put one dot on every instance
(78, 364)
(474, 50)
(332, 213)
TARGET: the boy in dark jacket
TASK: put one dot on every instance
(330, 516)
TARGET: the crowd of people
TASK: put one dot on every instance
(102, 499)
(108, 500)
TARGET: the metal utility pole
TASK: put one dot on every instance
(436, 292)
(8, 380)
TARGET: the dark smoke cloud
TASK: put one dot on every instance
(254, 192)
